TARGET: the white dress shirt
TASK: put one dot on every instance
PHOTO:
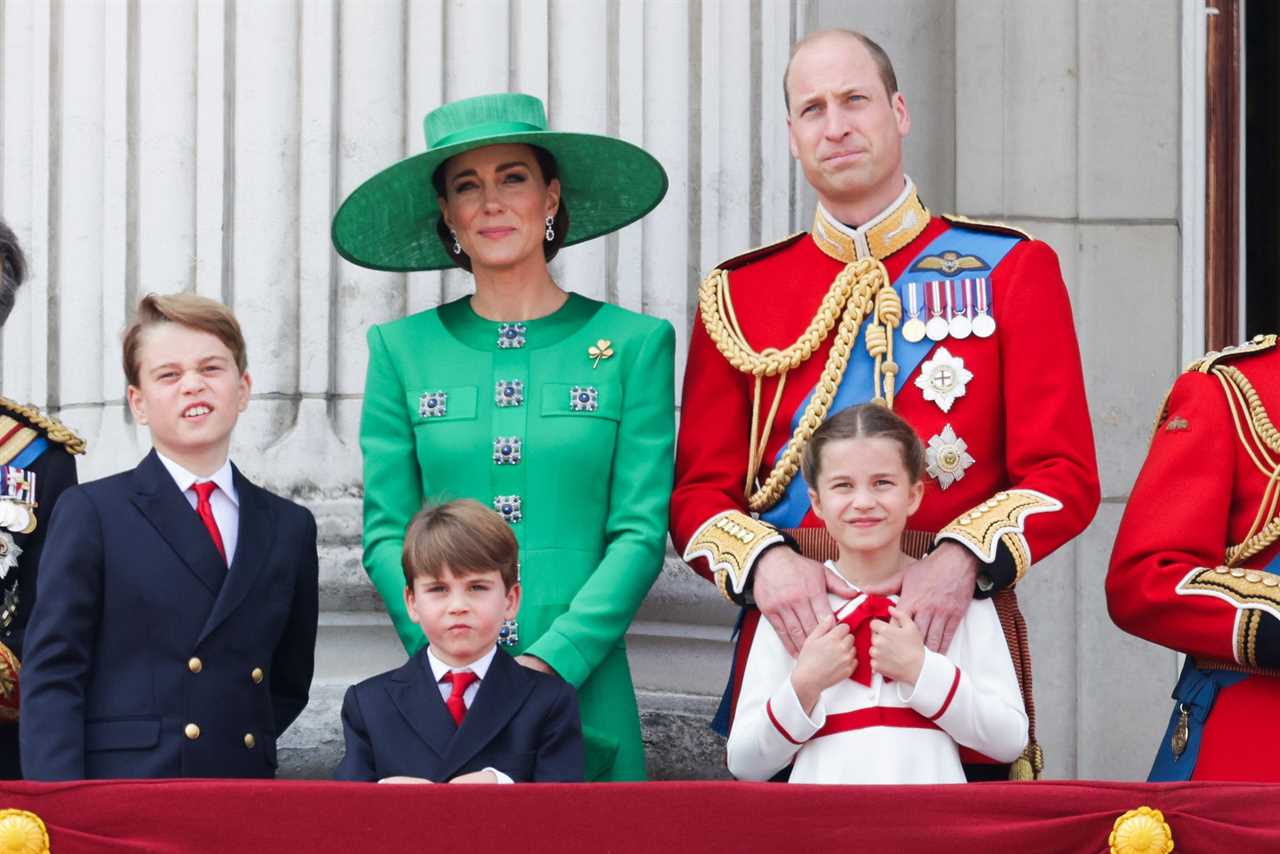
(225, 501)
(480, 667)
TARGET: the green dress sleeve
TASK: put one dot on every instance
(392, 484)
(636, 526)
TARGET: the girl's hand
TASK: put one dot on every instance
(403, 780)
(826, 658)
(897, 647)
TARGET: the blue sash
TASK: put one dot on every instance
(30, 453)
(857, 384)
(1196, 691)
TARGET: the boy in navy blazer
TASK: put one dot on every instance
(461, 710)
(174, 629)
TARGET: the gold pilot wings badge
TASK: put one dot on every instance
(950, 263)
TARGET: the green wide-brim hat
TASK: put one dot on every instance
(389, 221)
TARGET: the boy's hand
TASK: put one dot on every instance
(897, 647)
(403, 780)
(476, 777)
(826, 658)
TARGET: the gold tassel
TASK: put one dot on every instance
(1029, 765)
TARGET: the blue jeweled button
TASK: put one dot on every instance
(506, 450)
(509, 507)
(584, 398)
(510, 335)
(432, 404)
(509, 393)
(509, 634)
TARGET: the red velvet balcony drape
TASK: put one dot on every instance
(182, 817)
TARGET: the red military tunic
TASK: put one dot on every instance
(1192, 567)
(1021, 481)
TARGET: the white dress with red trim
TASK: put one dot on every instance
(881, 732)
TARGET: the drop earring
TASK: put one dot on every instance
(457, 247)
(551, 232)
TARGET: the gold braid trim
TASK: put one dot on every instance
(1001, 519)
(1242, 399)
(1243, 588)
(731, 541)
(54, 429)
(855, 293)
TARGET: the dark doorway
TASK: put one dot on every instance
(1262, 167)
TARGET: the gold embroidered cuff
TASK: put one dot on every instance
(1251, 591)
(1000, 519)
(731, 541)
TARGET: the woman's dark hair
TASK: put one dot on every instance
(547, 166)
(869, 420)
(13, 269)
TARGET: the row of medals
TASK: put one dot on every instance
(958, 308)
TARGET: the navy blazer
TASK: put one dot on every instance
(522, 722)
(145, 655)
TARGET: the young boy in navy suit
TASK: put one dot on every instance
(174, 629)
(461, 710)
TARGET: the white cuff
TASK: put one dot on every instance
(788, 717)
(502, 778)
(934, 688)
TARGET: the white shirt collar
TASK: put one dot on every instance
(479, 667)
(831, 565)
(185, 479)
(860, 233)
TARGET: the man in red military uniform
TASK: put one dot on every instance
(964, 329)
(1196, 564)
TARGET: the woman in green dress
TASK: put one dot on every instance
(555, 409)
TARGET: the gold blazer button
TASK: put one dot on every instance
(195, 665)
(192, 731)
(249, 740)
(256, 675)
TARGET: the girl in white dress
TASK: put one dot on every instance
(865, 701)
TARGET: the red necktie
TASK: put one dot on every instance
(205, 510)
(459, 679)
(859, 622)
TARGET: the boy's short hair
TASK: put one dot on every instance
(866, 420)
(464, 536)
(190, 310)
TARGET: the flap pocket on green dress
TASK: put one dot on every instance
(585, 400)
(441, 405)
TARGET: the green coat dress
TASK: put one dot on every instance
(577, 455)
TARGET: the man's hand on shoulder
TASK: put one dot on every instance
(936, 592)
(791, 592)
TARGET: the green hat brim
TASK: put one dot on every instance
(389, 221)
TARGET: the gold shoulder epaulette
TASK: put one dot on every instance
(1206, 362)
(981, 225)
(759, 252)
(54, 430)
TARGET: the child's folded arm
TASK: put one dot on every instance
(770, 726)
(973, 695)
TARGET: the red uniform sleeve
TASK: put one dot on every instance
(1177, 524)
(712, 445)
(1052, 491)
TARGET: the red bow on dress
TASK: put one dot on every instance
(859, 622)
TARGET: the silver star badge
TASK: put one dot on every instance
(948, 456)
(943, 378)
